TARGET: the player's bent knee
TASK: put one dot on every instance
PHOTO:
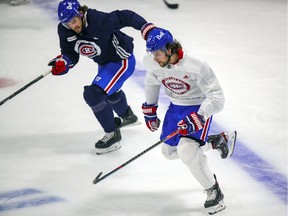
(187, 149)
(94, 95)
(169, 152)
(116, 97)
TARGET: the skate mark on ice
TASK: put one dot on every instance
(25, 198)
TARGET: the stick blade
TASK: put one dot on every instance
(171, 6)
(97, 179)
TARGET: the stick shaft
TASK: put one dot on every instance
(24, 87)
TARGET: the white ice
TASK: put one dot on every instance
(47, 132)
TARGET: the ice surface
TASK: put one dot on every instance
(47, 132)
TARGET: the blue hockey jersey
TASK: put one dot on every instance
(100, 38)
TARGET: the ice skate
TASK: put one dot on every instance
(224, 143)
(110, 142)
(129, 119)
(214, 202)
(19, 2)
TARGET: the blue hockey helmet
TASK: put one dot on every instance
(67, 10)
(157, 39)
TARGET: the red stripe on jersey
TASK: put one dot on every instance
(117, 76)
(205, 129)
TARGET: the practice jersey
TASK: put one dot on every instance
(101, 38)
(188, 82)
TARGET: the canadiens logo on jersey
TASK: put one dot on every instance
(87, 48)
(175, 85)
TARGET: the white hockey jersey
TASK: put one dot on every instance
(189, 82)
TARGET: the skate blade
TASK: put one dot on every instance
(215, 209)
(112, 148)
(231, 143)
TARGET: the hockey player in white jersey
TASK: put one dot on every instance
(195, 95)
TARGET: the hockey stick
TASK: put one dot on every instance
(26, 86)
(171, 6)
(99, 178)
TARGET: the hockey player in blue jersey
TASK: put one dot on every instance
(96, 35)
